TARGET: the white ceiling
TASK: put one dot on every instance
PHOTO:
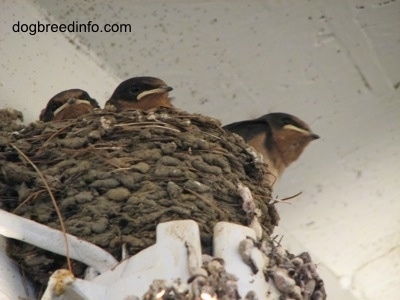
(335, 64)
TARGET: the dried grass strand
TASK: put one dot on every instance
(55, 134)
(31, 196)
(286, 199)
(63, 228)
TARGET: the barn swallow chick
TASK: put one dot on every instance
(68, 104)
(279, 137)
(140, 93)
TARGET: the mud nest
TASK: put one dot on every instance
(116, 176)
(10, 120)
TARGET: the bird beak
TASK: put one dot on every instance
(70, 102)
(159, 90)
(313, 136)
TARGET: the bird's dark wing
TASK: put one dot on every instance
(248, 129)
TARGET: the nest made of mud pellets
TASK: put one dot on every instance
(117, 175)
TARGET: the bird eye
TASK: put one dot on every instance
(85, 96)
(54, 106)
(134, 89)
(286, 121)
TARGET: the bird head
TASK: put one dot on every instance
(141, 93)
(68, 104)
(290, 135)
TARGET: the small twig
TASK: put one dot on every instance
(33, 195)
(107, 161)
(214, 151)
(63, 229)
(212, 135)
(291, 197)
(274, 240)
(141, 123)
(56, 133)
(99, 147)
(147, 125)
(286, 199)
(273, 175)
